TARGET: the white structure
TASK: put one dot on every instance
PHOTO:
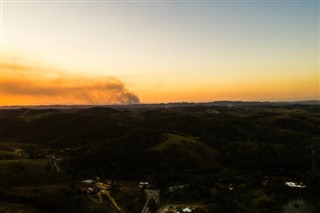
(88, 181)
(296, 185)
(142, 184)
(173, 188)
(187, 209)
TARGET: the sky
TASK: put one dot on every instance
(110, 52)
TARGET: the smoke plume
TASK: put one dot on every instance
(17, 82)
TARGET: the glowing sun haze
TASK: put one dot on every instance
(151, 51)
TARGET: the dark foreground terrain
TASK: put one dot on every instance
(181, 158)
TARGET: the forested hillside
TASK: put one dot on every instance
(198, 145)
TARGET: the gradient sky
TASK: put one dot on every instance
(159, 51)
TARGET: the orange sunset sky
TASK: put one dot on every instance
(127, 52)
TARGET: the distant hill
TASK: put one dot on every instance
(133, 143)
(171, 105)
(189, 150)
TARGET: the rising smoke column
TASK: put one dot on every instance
(30, 82)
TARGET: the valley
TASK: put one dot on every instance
(159, 159)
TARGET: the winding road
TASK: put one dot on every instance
(151, 195)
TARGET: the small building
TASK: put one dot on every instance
(90, 190)
(143, 184)
(88, 181)
(186, 209)
(173, 188)
(296, 185)
(230, 187)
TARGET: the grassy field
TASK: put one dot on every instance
(9, 145)
(18, 208)
(189, 148)
(28, 172)
(8, 155)
(30, 165)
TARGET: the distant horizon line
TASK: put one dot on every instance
(163, 103)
